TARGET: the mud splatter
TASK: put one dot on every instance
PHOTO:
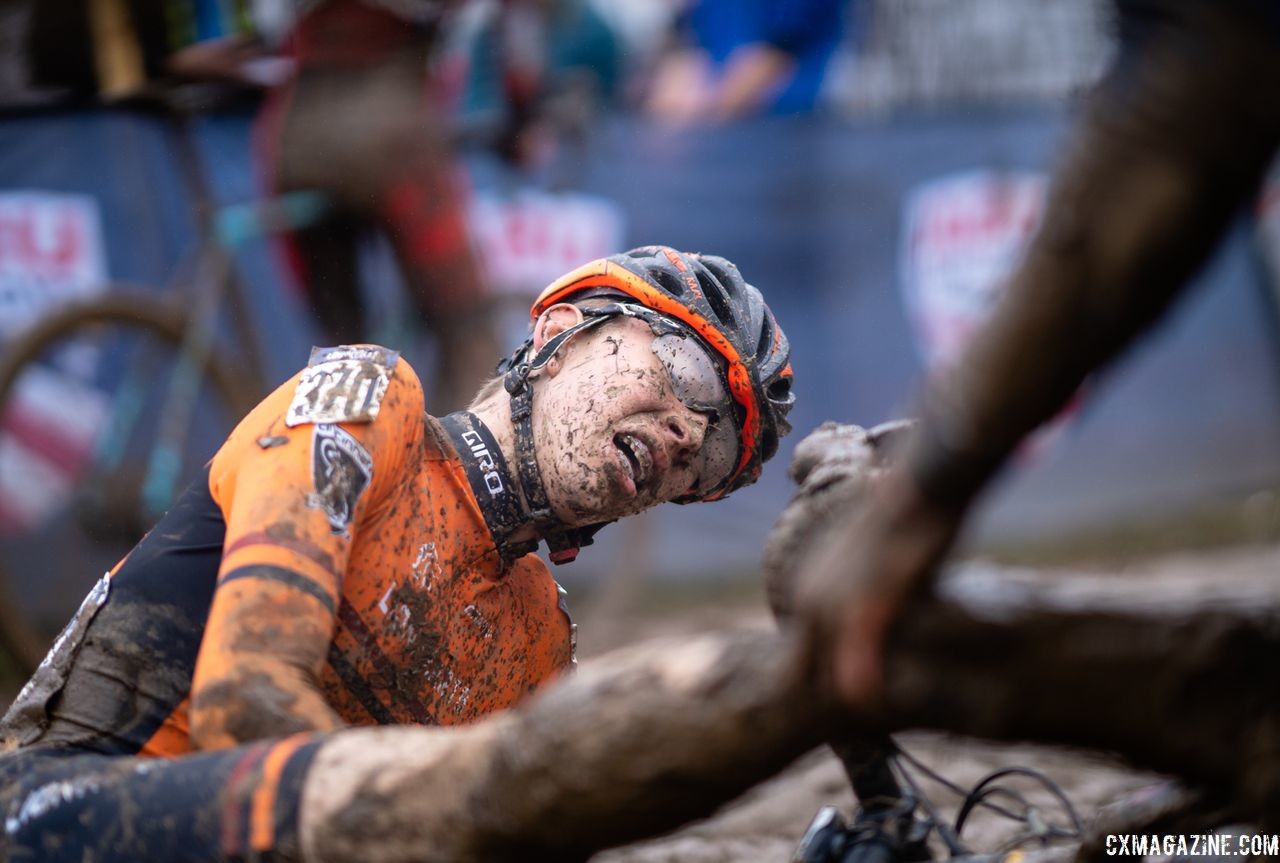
(253, 706)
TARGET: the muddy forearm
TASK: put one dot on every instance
(1149, 184)
(261, 698)
(257, 672)
(638, 745)
(645, 744)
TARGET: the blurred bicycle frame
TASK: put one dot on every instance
(161, 376)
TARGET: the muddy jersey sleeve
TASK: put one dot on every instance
(296, 482)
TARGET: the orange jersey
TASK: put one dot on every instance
(335, 568)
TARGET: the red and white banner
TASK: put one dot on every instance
(51, 251)
(530, 238)
(962, 236)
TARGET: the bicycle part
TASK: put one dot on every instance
(944, 830)
(212, 284)
(882, 835)
(985, 788)
(824, 839)
(84, 464)
(896, 829)
(236, 224)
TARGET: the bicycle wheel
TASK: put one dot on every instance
(84, 397)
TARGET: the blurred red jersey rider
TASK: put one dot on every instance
(357, 122)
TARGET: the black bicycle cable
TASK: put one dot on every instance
(973, 797)
(979, 795)
(1036, 828)
(946, 783)
(954, 788)
(984, 799)
(935, 820)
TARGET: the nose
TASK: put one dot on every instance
(685, 431)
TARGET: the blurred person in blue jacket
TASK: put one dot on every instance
(735, 58)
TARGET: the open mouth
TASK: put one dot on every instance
(638, 457)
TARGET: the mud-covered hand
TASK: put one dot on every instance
(855, 543)
(834, 470)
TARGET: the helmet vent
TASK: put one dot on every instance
(714, 293)
(670, 281)
(766, 338)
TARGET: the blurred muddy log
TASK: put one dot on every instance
(1168, 683)
(1194, 693)
(647, 739)
(636, 744)
(651, 738)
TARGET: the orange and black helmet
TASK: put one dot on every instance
(706, 295)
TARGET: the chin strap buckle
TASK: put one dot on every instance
(563, 545)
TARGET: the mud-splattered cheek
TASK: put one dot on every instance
(566, 436)
(586, 485)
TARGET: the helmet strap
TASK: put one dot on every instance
(562, 542)
(491, 482)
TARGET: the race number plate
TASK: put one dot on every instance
(342, 385)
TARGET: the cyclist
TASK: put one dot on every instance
(348, 559)
(356, 121)
(1171, 147)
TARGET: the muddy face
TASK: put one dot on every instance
(612, 437)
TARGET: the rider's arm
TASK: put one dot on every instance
(294, 500)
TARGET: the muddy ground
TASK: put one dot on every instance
(765, 825)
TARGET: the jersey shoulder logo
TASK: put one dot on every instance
(342, 385)
(341, 469)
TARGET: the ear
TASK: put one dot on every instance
(552, 323)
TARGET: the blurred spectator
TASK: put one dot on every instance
(231, 41)
(96, 48)
(91, 50)
(356, 121)
(16, 85)
(734, 58)
(535, 70)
